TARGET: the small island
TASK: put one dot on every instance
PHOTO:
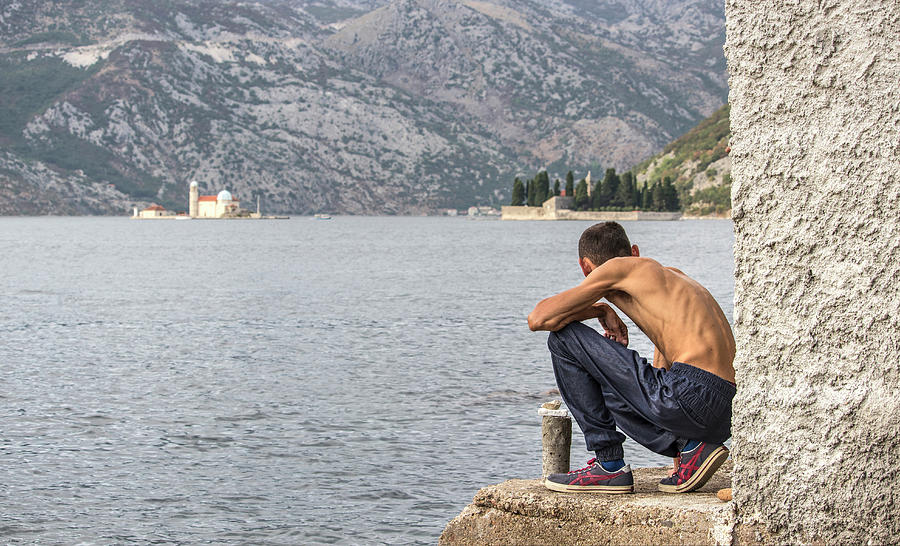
(612, 198)
(222, 206)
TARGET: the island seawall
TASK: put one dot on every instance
(560, 208)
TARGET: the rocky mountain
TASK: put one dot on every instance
(350, 106)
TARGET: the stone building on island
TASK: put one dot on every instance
(153, 211)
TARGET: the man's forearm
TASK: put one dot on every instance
(561, 320)
(580, 316)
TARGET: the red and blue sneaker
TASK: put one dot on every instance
(592, 478)
(696, 468)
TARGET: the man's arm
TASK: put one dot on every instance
(613, 327)
(577, 304)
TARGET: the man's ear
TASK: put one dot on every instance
(586, 266)
(635, 251)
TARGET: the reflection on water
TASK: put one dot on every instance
(283, 382)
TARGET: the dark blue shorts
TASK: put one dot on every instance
(607, 386)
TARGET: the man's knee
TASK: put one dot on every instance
(558, 340)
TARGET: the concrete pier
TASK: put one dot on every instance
(525, 512)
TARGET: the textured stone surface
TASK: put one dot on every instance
(815, 150)
(525, 512)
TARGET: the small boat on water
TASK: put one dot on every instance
(321, 216)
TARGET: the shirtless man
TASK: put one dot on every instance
(680, 406)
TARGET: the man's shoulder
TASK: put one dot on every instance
(631, 273)
(633, 263)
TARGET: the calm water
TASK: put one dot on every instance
(283, 382)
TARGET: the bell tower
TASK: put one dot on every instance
(194, 199)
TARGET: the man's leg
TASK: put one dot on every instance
(606, 385)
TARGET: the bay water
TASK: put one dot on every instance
(353, 380)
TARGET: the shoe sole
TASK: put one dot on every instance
(703, 474)
(610, 489)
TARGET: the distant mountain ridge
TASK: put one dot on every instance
(347, 106)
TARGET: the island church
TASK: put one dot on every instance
(222, 205)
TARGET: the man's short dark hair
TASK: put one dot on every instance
(603, 241)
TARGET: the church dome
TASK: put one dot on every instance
(224, 196)
(194, 184)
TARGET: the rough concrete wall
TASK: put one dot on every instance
(815, 117)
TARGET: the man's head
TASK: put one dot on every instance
(602, 242)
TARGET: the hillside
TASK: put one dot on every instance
(348, 106)
(698, 164)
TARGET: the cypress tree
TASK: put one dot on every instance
(670, 195)
(581, 196)
(637, 194)
(609, 187)
(518, 193)
(530, 192)
(542, 188)
(625, 194)
(570, 184)
(658, 199)
(597, 197)
(556, 187)
(646, 197)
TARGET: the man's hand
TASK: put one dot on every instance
(613, 327)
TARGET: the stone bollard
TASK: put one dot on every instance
(556, 438)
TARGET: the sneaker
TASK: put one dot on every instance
(696, 468)
(592, 478)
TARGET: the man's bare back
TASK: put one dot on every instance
(679, 315)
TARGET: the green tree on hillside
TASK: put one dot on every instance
(658, 199)
(518, 193)
(646, 197)
(609, 187)
(637, 194)
(670, 195)
(597, 196)
(581, 196)
(625, 193)
(712, 199)
(570, 184)
(542, 188)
